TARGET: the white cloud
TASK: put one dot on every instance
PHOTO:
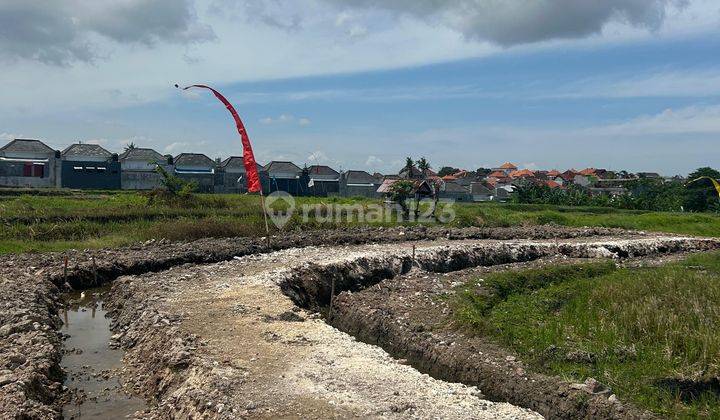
(373, 161)
(285, 119)
(661, 83)
(63, 32)
(511, 22)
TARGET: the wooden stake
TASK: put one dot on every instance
(264, 212)
(94, 266)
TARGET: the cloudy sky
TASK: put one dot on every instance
(360, 84)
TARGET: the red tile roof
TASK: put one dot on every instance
(552, 184)
(508, 165)
(525, 173)
(497, 174)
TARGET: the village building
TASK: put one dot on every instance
(422, 189)
(197, 168)
(482, 191)
(90, 166)
(138, 168)
(358, 184)
(29, 163)
(505, 168)
(284, 176)
(454, 191)
(232, 177)
(323, 181)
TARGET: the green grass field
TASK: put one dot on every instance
(106, 219)
(651, 334)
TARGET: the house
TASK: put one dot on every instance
(197, 168)
(412, 173)
(231, 176)
(455, 191)
(138, 168)
(481, 191)
(284, 176)
(323, 181)
(503, 193)
(29, 163)
(519, 174)
(358, 184)
(90, 166)
(651, 175)
(465, 178)
(506, 168)
(421, 188)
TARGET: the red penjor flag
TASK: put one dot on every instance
(253, 179)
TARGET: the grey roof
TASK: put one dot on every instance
(236, 162)
(83, 149)
(142, 153)
(454, 187)
(282, 166)
(27, 145)
(359, 177)
(193, 159)
(322, 170)
(480, 188)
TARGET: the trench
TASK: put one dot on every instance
(313, 287)
(316, 286)
(91, 364)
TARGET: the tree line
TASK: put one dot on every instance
(642, 194)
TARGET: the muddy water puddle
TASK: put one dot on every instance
(91, 364)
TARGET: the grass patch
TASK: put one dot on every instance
(101, 219)
(649, 333)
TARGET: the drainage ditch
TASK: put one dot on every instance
(91, 361)
(498, 374)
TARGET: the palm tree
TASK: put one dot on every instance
(130, 146)
(409, 166)
(423, 165)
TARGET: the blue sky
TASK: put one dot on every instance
(362, 84)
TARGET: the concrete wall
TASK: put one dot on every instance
(11, 173)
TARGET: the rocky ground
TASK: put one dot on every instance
(230, 334)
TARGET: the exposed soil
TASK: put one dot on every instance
(233, 339)
(174, 335)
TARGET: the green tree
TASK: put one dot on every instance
(409, 167)
(130, 146)
(400, 192)
(701, 195)
(423, 165)
(447, 170)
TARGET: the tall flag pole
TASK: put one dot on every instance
(253, 178)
